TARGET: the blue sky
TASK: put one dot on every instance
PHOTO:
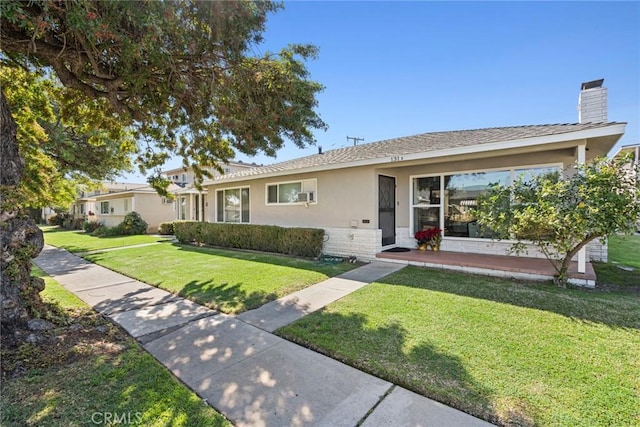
(395, 69)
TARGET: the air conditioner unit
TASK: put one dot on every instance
(306, 196)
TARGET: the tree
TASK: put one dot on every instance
(561, 216)
(187, 77)
(65, 138)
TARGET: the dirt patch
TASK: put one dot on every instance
(81, 337)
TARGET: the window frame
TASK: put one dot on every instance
(223, 190)
(311, 182)
(107, 204)
(510, 169)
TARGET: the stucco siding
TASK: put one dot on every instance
(148, 205)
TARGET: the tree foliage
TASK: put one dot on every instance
(187, 75)
(561, 216)
(65, 138)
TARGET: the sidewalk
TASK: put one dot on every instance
(251, 376)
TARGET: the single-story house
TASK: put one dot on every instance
(85, 205)
(111, 208)
(375, 196)
(189, 201)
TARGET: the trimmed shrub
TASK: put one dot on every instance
(303, 242)
(90, 226)
(165, 228)
(77, 223)
(132, 224)
(59, 219)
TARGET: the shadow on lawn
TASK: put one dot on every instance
(330, 270)
(225, 297)
(385, 353)
(614, 310)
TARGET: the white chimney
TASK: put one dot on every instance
(592, 102)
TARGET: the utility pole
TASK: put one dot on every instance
(355, 139)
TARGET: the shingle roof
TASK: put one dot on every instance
(422, 143)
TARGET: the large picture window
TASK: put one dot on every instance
(448, 201)
(232, 205)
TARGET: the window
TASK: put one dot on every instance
(232, 205)
(447, 201)
(126, 205)
(104, 208)
(82, 208)
(286, 193)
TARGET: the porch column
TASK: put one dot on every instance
(582, 254)
(191, 215)
(202, 208)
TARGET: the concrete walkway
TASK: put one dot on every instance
(248, 374)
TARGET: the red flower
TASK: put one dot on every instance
(429, 235)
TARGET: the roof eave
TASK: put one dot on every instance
(610, 130)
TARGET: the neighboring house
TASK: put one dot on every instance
(189, 201)
(375, 196)
(111, 208)
(85, 204)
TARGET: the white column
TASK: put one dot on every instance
(582, 254)
(191, 216)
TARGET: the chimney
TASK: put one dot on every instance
(320, 150)
(592, 102)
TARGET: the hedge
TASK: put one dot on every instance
(303, 242)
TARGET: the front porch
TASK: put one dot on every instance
(490, 265)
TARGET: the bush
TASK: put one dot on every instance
(132, 224)
(304, 242)
(165, 228)
(91, 226)
(77, 224)
(59, 219)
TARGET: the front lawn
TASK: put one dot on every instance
(225, 280)
(623, 269)
(510, 353)
(89, 373)
(78, 241)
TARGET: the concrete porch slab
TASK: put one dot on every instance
(288, 385)
(152, 319)
(406, 408)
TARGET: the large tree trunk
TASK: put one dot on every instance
(20, 238)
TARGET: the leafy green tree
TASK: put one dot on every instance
(561, 216)
(65, 138)
(188, 78)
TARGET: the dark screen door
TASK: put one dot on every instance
(387, 209)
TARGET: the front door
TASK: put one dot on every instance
(387, 209)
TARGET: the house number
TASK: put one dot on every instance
(396, 158)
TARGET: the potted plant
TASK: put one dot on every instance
(429, 237)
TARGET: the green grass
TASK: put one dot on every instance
(625, 250)
(87, 375)
(230, 281)
(78, 241)
(514, 354)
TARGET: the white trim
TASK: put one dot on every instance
(302, 189)
(215, 204)
(611, 130)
